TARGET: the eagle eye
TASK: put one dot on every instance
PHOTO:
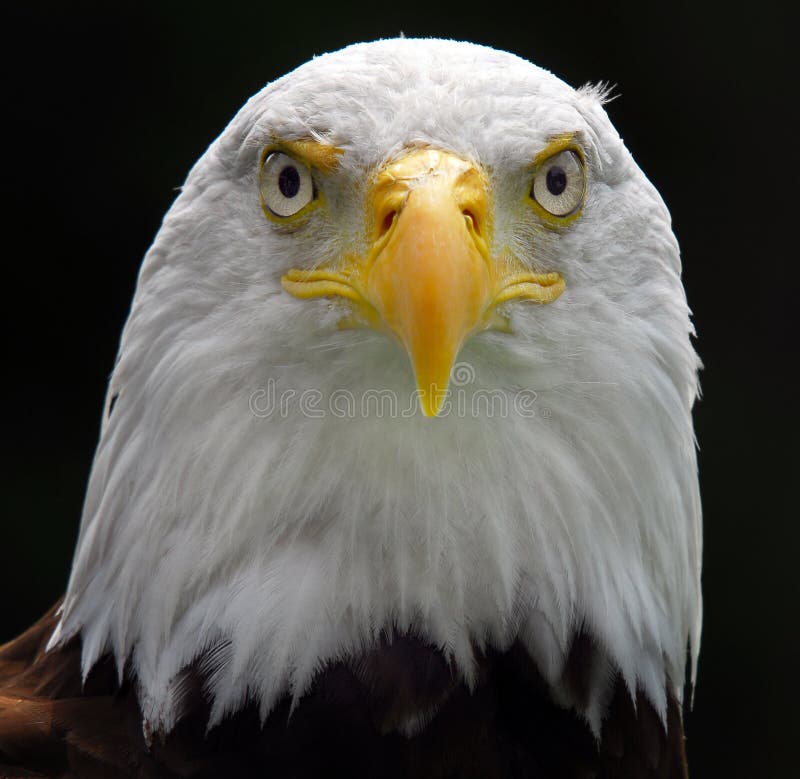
(560, 183)
(285, 184)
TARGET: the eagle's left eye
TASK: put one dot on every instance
(559, 184)
(286, 184)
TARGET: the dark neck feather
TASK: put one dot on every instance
(396, 711)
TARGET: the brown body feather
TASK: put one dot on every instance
(397, 711)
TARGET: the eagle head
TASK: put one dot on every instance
(410, 352)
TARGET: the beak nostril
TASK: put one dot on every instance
(471, 219)
(387, 223)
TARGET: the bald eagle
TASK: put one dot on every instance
(396, 474)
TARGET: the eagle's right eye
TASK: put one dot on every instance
(285, 184)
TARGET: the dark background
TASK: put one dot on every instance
(107, 107)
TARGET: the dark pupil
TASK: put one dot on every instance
(289, 181)
(556, 180)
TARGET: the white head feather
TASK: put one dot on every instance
(287, 540)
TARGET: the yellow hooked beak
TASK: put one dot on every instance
(428, 278)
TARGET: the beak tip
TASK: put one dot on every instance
(430, 412)
(431, 400)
